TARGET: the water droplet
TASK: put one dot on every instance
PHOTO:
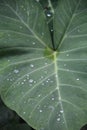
(41, 77)
(39, 95)
(45, 63)
(56, 75)
(51, 30)
(37, 0)
(31, 80)
(48, 14)
(8, 60)
(24, 112)
(16, 71)
(78, 30)
(42, 33)
(67, 69)
(11, 79)
(9, 35)
(77, 79)
(47, 81)
(61, 111)
(58, 114)
(42, 129)
(45, 106)
(33, 43)
(64, 64)
(40, 110)
(52, 98)
(43, 84)
(22, 82)
(34, 81)
(58, 119)
(22, 6)
(67, 55)
(59, 98)
(31, 65)
(27, 76)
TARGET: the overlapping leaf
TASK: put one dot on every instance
(47, 88)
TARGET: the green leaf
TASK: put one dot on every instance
(47, 88)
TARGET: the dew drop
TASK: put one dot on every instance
(45, 63)
(9, 35)
(41, 77)
(52, 99)
(48, 14)
(51, 30)
(42, 33)
(40, 110)
(43, 84)
(61, 111)
(56, 75)
(39, 95)
(58, 114)
(67, 69)
(47, 81)
(24, 112)
(31, 80)
(67, 55)
(78, 30)
(64, 64)
(22, 82)
(77, 79)
(45, 106)
(58, 119)
(22, 6)
(20, 27)
(8, 60)
(33, 43)
(16, 71)
(31, 65)
(11, 79)
(42, 129)
(37, 0)
(34, 81)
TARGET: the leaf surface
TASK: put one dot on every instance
(47, 88)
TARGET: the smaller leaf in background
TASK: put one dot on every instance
(7, 116)
(17, 127)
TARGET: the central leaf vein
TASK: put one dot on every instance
(58, 88)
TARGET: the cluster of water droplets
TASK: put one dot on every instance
(59, 116)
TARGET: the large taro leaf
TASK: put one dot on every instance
(47, 88)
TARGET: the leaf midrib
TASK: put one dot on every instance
(58, 88)
(68, 25)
